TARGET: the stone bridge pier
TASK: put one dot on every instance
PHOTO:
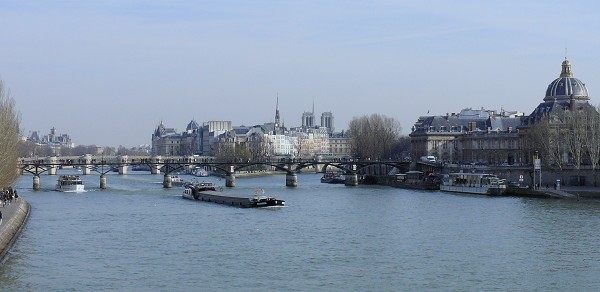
(351, 179)
(52, 167)
(156, 163)
(167, 181)
(123, 164)
(291, 179)
(36, 182)
(230, 180)
(103, 181)
(87, 161)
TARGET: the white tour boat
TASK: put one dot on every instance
(473, 183)
(69, 183)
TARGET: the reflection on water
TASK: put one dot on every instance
(137, 236)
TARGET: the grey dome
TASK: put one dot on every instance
(566, 86)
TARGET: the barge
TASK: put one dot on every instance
(417, 180)
(207, 192)
(474, 183)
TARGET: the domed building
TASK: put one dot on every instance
(564, 116)
(564, 93)
(495, 138)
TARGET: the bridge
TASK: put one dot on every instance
(173, 164)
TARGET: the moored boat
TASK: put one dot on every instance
(333, 178)
(417, 180)
(69, 183)
(473, 183)
(207, 191)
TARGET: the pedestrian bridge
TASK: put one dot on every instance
(173, 164)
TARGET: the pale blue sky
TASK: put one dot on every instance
(108, 72)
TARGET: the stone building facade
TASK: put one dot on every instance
(470, 136)
(168, 142)
(491, 137)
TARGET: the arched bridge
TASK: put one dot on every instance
(173, 164)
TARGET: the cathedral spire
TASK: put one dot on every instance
(277, 112)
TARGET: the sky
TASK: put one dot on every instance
(108, 72)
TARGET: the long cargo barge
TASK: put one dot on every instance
(207, 192)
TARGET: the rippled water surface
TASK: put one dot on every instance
(138, 236)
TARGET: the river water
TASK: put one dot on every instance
(137, 236)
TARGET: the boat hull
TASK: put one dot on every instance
(71, 188)
(418, 186)
(233, 199)
(492, 191)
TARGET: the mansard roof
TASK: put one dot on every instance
(454, 123)
(554, 107)
(503, 123)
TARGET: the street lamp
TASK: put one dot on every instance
(537, 170)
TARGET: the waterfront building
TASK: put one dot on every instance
(271, 139)
(472, 135)
(490, 137)
(211, 132)
(309, 142)
(339, 145)
(565, 96)
(167, 141)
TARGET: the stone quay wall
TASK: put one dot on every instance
(14, 217)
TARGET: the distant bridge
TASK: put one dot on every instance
(171, 164)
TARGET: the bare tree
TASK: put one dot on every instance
(9, 138)
(374, 136)
(548, 139)
(575, 127)
(259, 146)
(592, 139)
(300, 144)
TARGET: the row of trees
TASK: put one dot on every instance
(9, 138)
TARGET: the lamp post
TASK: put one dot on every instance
(537, 171)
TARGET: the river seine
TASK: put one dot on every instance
(137, 236)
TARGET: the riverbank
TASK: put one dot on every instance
(14, 217)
